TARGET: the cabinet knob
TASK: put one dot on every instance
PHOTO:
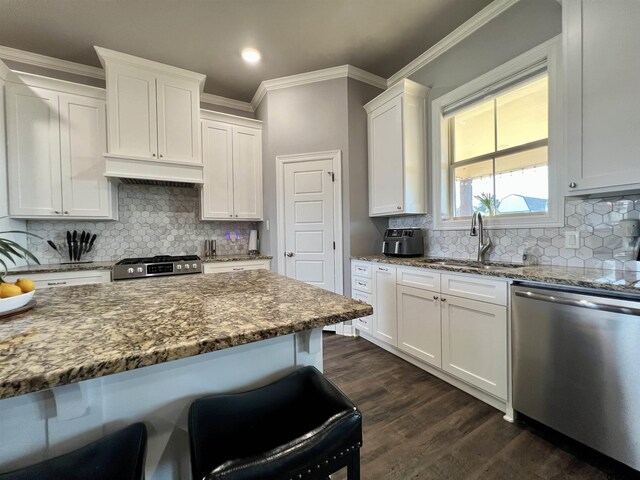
(231, 216)
(399, 207)
(435, 297)
(161, 156)
(443, 299)
(573, 185)
(66, 213)
(153, 154)
(236, 215)
(56, 212)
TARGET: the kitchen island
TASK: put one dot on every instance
(90, 359)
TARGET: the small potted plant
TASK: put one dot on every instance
(19, 294)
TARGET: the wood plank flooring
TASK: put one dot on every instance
(418, 427)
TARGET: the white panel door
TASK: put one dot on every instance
(178, 120)
(384, 309)
(386, 184)
(309, 223)
(247, 173)
(132, 119)
(474, 343)
(419, 328)
(83, 141)
(217, 155)
(33, 152)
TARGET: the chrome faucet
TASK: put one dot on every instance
(478, 231)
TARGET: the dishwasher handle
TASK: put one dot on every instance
(578, 303)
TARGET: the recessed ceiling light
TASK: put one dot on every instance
(251, 55)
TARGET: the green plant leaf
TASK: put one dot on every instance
(22, 249)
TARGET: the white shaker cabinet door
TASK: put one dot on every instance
(86, 192)
(364, 324)
(386, 183)
(603, 74)
(419, 329)
(178, 120)
(131, 101)
(474, 343)
(247, 173)
(384, 310)
(33, 152)
(217, 155)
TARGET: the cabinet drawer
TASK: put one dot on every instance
(483, 289)
(240, 266)
(65, 279)
(361, 284)
(364, 323)
(419, 278)
(361, 270)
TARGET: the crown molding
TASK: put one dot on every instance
(228, 118)
(317, 76)
(4, 71)
(15, 55)
(225, 102)
(480, 19)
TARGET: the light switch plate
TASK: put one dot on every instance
(572, 239)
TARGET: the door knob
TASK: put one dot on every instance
(573, 185)
(289, 254)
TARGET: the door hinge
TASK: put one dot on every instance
(332, 175)
(334, 245)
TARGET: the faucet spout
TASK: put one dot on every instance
(477, 229)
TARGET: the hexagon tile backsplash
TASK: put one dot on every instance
(595, 219)
(154, 220)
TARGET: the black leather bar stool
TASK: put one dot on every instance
(117, 456)
(300, 427)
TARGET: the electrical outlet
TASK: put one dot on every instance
(572, 239)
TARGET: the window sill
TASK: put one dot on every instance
(493, 223)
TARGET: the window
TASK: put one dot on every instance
(498, 146)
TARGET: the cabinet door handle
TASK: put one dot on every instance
(289, 254)
(238, 268)
(443, 299)
(573, 185)
(56, 283)
(362, 284)
(383, 269)
(435, 297)
(56, 212)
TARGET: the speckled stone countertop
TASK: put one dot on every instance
(82, 332)
(614, 280)
(75, 267)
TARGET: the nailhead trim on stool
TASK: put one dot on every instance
(299, 427)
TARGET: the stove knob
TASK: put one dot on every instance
(178, 267)
(139, 269)
(129, 270)
(186, 266)
(195, 265)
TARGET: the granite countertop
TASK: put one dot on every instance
(83, 332)
(75, 267)
(613, 280)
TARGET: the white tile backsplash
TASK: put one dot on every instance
(593, 218)
(153, 220)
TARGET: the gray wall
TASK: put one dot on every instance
(316, 117)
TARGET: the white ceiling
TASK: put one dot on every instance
(206, 36)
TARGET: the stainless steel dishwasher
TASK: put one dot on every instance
(576, 365)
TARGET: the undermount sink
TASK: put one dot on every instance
(469, 264)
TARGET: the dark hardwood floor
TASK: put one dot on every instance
(419, 427)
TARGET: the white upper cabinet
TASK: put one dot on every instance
(397, 150)
(153, 119)
(602, 41)
(232, 156)
(56, 138)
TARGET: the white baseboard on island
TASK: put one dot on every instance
(44, 424)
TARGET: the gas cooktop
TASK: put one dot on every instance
(159, 265)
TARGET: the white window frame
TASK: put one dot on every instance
(549, 52)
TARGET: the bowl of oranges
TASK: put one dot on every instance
(16, 295)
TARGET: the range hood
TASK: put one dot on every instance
(157, 183)
(152, 172)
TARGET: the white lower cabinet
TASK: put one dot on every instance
(64, 279)
(474, 343)
(415, 313)
(419, 329)
(236, 266)
(386, 324)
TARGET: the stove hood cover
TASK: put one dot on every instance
(148, 170)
